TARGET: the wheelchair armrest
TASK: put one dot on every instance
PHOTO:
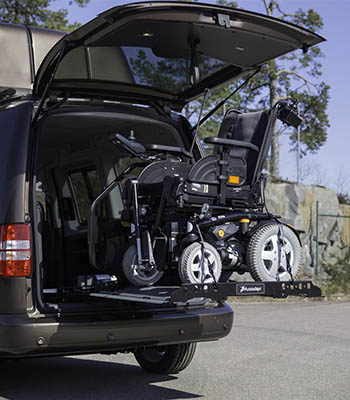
(169, 149)
(231, 142)
(133, 147)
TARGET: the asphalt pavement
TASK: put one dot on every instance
(285, 351)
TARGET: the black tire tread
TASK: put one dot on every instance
(176, 358)
(187, 253)
(128, 259)
(252, 253)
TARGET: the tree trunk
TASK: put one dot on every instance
(275, 155)
(273, 165)
(275, 147)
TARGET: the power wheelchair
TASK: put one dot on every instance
(200, 221)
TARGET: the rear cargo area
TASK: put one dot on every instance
(75, 161)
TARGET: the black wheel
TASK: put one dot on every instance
(139, 275)
(192, 270)
(170, 359)
(263, 254)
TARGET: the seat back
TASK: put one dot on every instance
(209, 179)
(255, 128)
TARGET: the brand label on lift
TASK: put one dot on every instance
(244, 289)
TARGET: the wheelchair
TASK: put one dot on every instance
(200, 221)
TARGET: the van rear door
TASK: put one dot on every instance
(164, 51)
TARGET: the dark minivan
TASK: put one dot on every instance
(132, 69)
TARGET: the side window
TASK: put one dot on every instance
(86, 187)
(94, 182)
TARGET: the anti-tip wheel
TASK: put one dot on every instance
(139, 275)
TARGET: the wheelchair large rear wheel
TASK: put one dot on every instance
(267, 258)
(139, 275)
(196, 266)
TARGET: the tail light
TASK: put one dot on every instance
(15, 253)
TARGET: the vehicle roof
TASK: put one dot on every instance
(22, 50)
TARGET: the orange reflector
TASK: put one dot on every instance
(244, 220)
(15, 253)
(233, 179)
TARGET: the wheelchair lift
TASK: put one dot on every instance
(187, 293)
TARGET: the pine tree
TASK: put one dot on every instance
(295, 77)
(37, 13)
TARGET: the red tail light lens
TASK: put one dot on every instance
(15, 252)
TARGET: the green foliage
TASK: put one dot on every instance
(339, 273)
(169, 74)
(313, 132)
(294, 77)
(37, 13)
(344, 198)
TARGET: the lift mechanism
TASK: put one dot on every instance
(218, 292)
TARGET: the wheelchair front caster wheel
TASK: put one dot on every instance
(136, 274)
(198, 266)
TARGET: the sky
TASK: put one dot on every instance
(332, 162)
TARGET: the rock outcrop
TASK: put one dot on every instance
(296, 203)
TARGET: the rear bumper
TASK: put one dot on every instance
(22, 336)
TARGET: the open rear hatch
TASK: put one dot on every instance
(165, 52)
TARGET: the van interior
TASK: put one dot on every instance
(75, 161)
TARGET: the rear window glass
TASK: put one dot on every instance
(168, 74)
(157, 54)
(135, 65)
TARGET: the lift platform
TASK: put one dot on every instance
(215, 291)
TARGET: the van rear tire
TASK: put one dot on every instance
(170, 359)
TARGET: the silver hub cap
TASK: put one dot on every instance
(274, 263)
(200, 271)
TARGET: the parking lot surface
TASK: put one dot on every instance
(285, 351)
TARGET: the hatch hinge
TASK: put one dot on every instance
(305, 48)
(162, 108)
(224, 20)
(44, 96)
(6, 93)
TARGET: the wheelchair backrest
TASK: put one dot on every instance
(253, 127)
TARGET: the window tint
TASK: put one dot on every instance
(86, 186)
(136, 65)
(95, 182)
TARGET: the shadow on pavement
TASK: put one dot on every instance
(73, 378)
